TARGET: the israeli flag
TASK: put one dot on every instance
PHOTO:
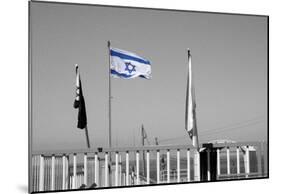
(128, 65)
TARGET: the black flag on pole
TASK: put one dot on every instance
(79, 102)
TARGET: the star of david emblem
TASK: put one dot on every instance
(129, 67)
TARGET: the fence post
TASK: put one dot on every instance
(238, 160)
(178, 166)
(127, 168)
(53, 173)
(67, 173)
(208, 165)
(218, 163)
(138, 168)
(33, 167)
(85, 169)
(106, 169)
(96, 170)
(258, 154)
(116, 169)
(265, 158)
(74, 171)
(247, 162)
(158, 166)
(188, 164)
(63, 172)
(228, 160)
(147, 168)
(41, 174)
(196, 165)
(168, 167)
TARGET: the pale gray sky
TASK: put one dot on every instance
(229, 59)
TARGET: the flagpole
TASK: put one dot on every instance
(79, 87)
(87, 136)
(109, 96)
(109, 110)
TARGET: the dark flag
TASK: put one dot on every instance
(80, 102)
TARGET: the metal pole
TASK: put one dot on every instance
(109, 95)
(87, 136)
(109, 109)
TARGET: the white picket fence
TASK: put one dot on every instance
(95, 168)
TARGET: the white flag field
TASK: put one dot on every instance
(190, 111)
(127, 65)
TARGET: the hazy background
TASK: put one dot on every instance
(229, 58)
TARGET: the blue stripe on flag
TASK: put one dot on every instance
(122, 75)
(128, 57)
(113, 72)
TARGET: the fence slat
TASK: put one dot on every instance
(196, 166)
(228, 160)
(218, 162)
(63, 172)
(74, 171)
(178, 166)
(208, 166)
(259, 160)
(96, 170)
(106, 169)
(188, 165)
(127, 168)
(85, 169)
(247, 161)
(158, 166)
(237, 160)
(120, 169)
(265, 158)
(67, 186)
(116, 169)
(41, 174)
(53, 173)
(168, 167)
(138, 168)
(147, 168)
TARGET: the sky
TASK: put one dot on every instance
(229, 61)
